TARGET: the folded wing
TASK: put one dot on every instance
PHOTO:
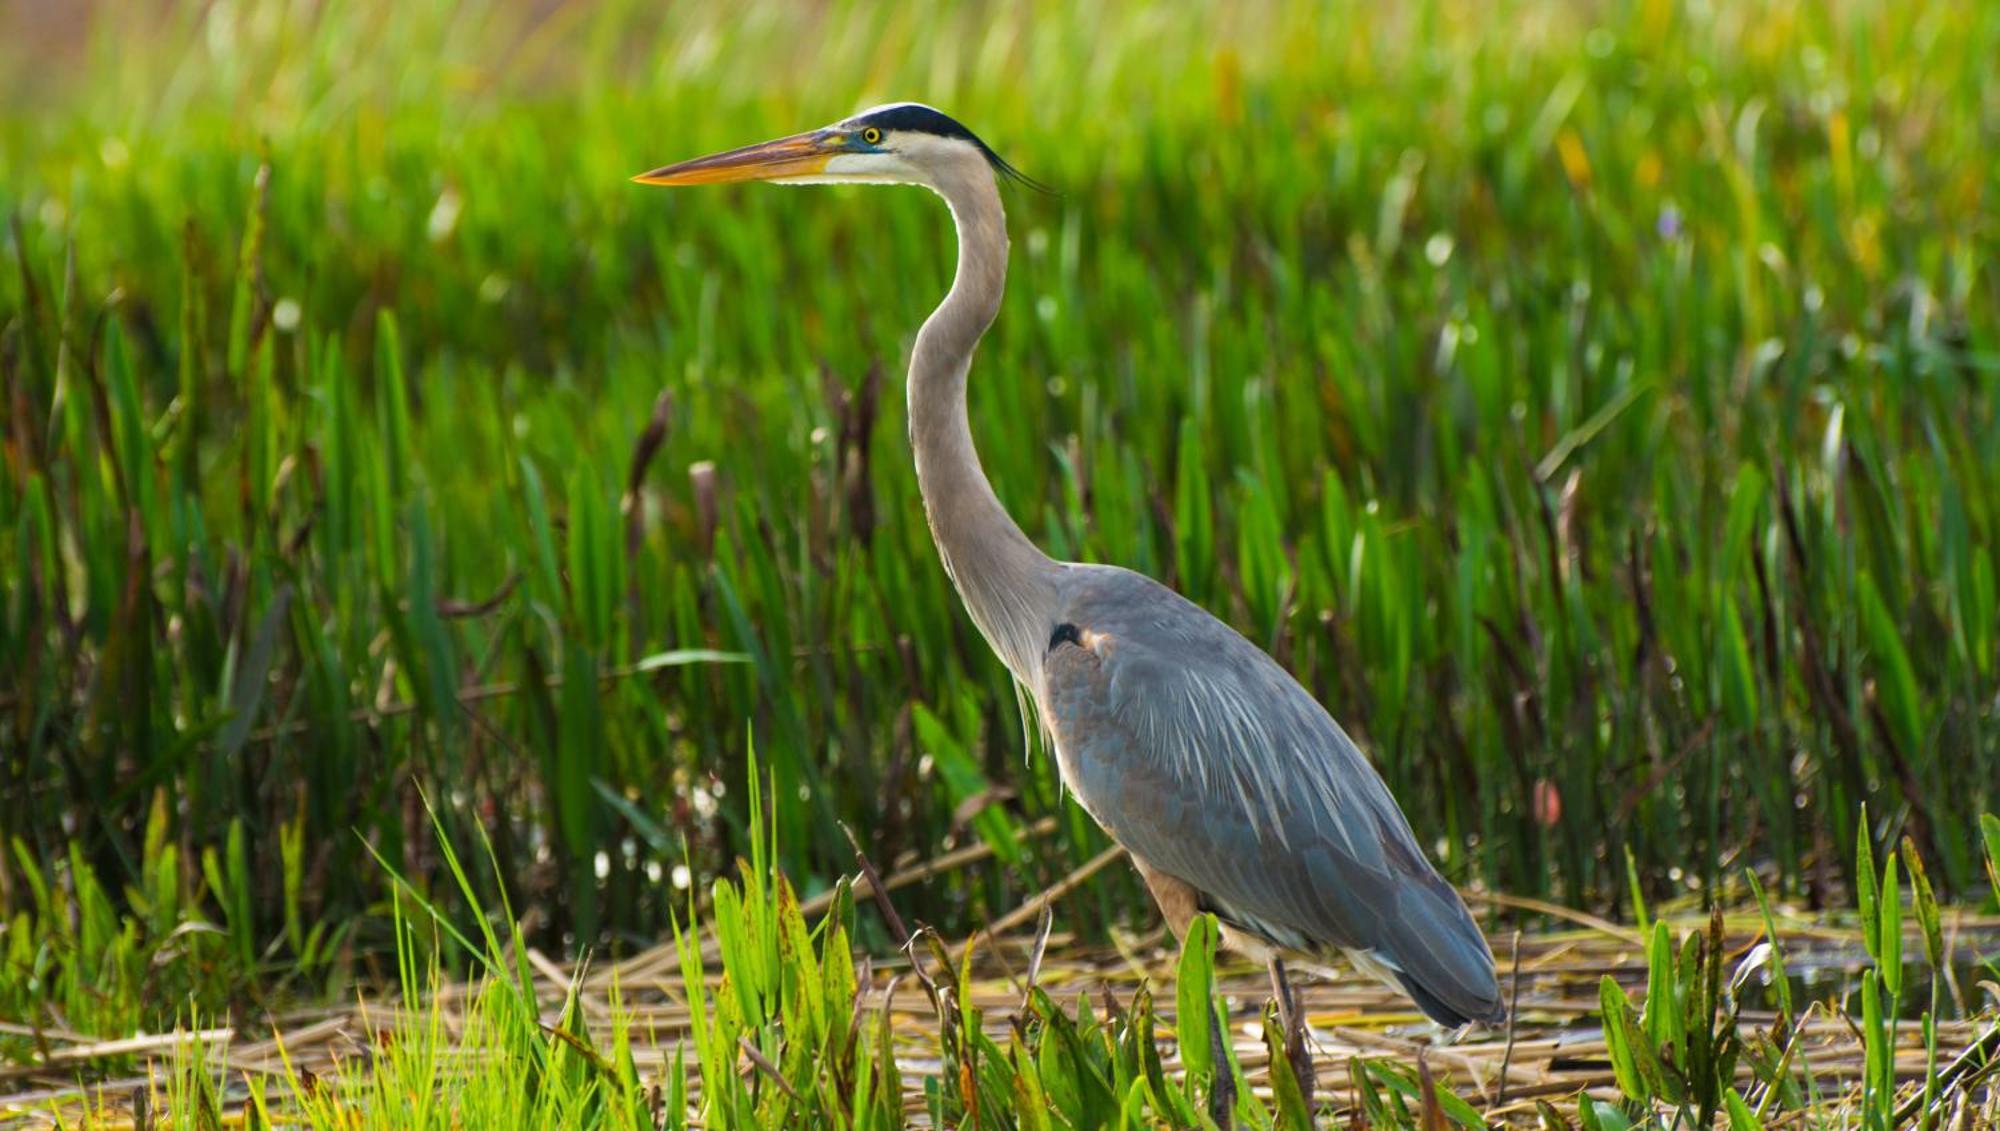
(1204, 757)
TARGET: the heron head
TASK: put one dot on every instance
(902, 143)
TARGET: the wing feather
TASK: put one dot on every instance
(1206, 759)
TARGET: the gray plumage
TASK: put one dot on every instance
(1210, 763)
(1233, 789)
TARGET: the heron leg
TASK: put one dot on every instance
(1292, 1018)
(1222, 1093)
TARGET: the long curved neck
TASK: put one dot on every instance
(1008, 585)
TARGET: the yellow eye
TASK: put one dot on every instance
(872, 136)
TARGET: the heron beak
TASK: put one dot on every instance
(796, 156)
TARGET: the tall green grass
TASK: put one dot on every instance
(781, 1036)
(1594, 406)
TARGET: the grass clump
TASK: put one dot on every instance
(774, 1020)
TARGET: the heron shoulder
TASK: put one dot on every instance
(1151, 638)
(1113, 598)
(1162, 687)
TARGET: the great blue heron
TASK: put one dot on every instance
(1232, 788)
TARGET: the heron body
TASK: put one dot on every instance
(1233, 789)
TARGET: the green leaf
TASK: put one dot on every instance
(1878, 1051)
(1194, 528)
(1621, 1036)
(1741, 1118)
(246, 695)
(1865, 900)
(1193, 994)
(1890, 935)
(1734, 669)
(1600, 1116)
(248, 258)
(1132, 1113)
(1896, 680)
(1781, 984)
(1409, 1087)
(1925, 904)
(804, 1009)
(1632, 886)
(1291, 1102)
(1989, 828)
(1031, 1104)
(681, 657)
(1744, 500)
(393, 404)
(1662, 1014)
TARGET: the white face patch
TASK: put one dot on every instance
(861, 169)
(905, 159)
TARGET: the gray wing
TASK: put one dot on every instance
(1203, 756)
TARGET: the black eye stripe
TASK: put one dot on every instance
(1065, 633)
(912, 117)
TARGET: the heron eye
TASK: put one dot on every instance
(872, 136)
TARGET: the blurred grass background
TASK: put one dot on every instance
(1594, 404)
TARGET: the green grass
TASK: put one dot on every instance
(1593, 407)
(779, 1036)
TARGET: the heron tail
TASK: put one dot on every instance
(1445, 1013)
(1440, 957)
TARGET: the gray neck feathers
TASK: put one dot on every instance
(1008, 585)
